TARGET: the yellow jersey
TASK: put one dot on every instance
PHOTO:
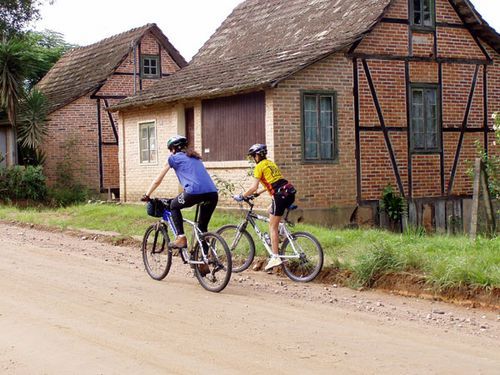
(268, 173)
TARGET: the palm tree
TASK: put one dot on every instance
(16, 61)
(22, 63)
(32, 120)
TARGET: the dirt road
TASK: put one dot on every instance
(75, 306)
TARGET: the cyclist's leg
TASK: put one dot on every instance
(279, 204)
(207, 209)
(183, 200)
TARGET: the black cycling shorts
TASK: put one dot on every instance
(281, 201)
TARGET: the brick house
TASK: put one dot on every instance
(79, 88)
(349, 95)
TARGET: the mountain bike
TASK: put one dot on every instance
(207, 253)
(301, 252)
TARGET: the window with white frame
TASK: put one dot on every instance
(147, 142)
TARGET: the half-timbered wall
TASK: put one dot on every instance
(387, 63)
(87, 122)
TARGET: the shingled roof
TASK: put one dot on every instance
(476, 24)
(83, 70)
(263, 42)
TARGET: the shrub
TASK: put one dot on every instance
(392, 204)
(20, 182)
(63, 196)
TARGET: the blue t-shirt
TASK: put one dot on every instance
(192, 174)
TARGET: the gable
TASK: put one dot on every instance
(121, 81)
(394, 35)
(83, 70)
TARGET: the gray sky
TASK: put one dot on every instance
(186, 23)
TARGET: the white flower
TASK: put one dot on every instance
(494, 116)
(496, 127)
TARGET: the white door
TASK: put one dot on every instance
(3, 147)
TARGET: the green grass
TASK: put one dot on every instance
(444, 261)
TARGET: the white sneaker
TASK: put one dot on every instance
(273, 262)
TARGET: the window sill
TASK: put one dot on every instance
(236, 164)
(427, 152)
(334, 161)
(148, 164)
(423, 29)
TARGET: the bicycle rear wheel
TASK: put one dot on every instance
(241, 245)
(214, 275)
(306, 257)
(155, 253)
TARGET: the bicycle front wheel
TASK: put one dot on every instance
(241, 245)
(215, 273)
(155, 253)
(303, 257)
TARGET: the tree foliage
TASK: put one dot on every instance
(16, 61)
(24, 60)
(16, 14)
(32, 120)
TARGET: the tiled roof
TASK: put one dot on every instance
(83, 70)
(476, 23)
(265, 41)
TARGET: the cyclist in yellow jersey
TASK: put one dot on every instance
(282, 192)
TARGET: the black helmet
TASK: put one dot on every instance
(258, 148)
(177, 142)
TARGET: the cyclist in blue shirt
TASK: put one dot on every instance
(197, 183)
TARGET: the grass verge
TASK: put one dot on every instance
(364, 257)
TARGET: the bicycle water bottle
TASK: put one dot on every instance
(267, 239)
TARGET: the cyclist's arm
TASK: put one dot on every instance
(157, 181)
(253, 188)
(259, 192)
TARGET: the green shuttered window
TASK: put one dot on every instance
(425, 134)
(319, 127)
(147, 142)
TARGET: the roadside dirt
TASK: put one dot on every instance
(404, 284)
(76, 305)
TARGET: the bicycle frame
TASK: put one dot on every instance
(252, 218)
(167, 219)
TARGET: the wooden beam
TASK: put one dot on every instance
(485, 107)
(441, 152)
(464, 126)
(99, 134)
(110, 116)
(382, 124)
(367, 56)
(357, 130)
(408, 134)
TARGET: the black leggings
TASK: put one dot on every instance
(184, 200)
